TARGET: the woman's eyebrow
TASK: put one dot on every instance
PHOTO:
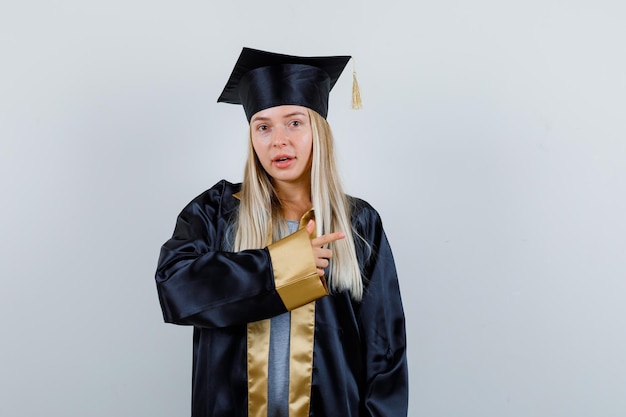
(295, 113)
(286, 116)
(260, 118)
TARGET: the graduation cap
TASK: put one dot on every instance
(261, 80)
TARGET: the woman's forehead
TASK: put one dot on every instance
(278, 112)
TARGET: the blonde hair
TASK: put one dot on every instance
(259, 221)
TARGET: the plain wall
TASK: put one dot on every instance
(492, 142)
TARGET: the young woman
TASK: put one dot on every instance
(289, 283)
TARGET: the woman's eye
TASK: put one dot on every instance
(295, 123)
(261, 128)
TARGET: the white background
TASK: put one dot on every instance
(492, 142)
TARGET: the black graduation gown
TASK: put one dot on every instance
(359, 356)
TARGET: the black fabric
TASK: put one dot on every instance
(261, 80)
(359, 361)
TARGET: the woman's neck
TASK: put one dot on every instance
(294, 200)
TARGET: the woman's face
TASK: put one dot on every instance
(283, 141)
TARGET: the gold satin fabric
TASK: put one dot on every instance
(295, 273)
(301, 342)
(258, 340)
(298, 285)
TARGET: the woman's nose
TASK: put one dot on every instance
(280, 137)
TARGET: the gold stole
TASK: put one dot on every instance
(301, 341)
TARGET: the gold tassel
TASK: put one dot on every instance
(356, 92)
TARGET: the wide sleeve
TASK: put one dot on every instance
(383, 328)
(200, 284)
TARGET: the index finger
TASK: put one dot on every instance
(327, 238)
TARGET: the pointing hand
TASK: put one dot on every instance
(321, 254)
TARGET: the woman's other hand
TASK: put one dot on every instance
(321, 254)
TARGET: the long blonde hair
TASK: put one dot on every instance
(259, 220)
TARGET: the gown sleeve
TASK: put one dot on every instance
(202, 285)
(383, 326)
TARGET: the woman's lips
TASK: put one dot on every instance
(283, 161)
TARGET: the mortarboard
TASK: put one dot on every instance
(261, 80)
